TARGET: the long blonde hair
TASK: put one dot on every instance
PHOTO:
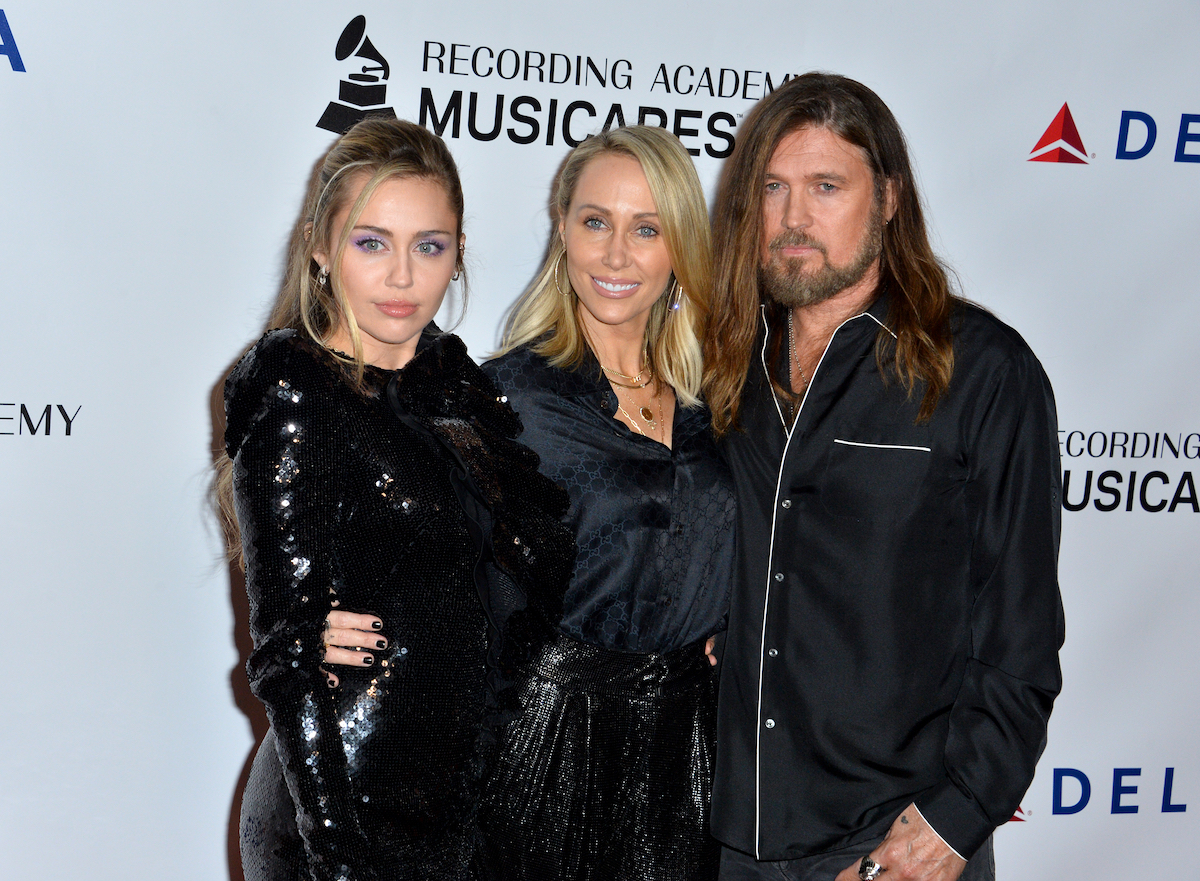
(546, 320)
(375, 150)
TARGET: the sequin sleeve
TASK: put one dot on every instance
(282, 434)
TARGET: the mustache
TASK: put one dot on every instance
(792, 238)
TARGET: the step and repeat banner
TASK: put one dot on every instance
(152, 162)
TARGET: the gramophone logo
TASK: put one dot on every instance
(363, 93)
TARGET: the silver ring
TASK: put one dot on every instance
(869, 870)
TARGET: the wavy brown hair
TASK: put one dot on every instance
(921, 299)
(375, 150)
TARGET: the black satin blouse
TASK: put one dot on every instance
(654, 526)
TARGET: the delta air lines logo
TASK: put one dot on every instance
(8, 46)
(1060, 142)
(1137, 134)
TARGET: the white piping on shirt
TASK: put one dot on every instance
(838, 440)
(939, 835)
(762, 644)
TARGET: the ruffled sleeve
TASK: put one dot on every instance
(528, 554)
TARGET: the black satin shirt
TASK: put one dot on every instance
(654, 526)
(895, 627)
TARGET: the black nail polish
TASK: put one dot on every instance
(331, 683)
(368, 660)
(381, 643)
(377, 625)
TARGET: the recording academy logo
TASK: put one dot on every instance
(540, 94)
(1060, 142)
(8, 45)
(36, 419)
(1109, 471)
(364, 92)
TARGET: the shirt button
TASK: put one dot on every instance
(779, 576)
(770, 723)
(786, 503)
(772, 652)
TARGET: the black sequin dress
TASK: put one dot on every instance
(408, 499)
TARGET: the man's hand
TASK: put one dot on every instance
(912, 851)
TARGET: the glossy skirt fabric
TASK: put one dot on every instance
(608, 772)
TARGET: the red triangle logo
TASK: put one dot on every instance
(1060, 142)
(1058, 154)
(1019, 816)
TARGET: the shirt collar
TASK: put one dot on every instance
(584, 379)
(588, 381)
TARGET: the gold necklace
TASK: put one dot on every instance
(647, 414)
(636, 381)
(632, 422)
(648, 417)
(649, 379)
(635, 378)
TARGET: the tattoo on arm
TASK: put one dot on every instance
(904, 819)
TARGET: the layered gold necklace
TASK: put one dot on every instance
(646, 413)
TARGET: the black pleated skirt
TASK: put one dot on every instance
(607, 774)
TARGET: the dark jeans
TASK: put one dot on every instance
(737, 866)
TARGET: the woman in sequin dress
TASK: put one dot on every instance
(372, 468)
(607, 773)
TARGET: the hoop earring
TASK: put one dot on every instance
(676, 299)
(457, 275)
(322, 276)
(557, 283)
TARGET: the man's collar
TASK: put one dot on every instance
(879, 310)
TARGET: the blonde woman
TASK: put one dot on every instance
(371, 468)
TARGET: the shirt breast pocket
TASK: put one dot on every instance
(873, 480)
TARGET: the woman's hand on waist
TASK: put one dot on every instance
(349, 639)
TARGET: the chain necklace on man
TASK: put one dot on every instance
(794, 357)
(794, 353)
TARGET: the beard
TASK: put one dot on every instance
(786, 282)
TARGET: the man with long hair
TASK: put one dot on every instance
(892, 652)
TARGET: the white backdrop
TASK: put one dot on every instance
(152, 159)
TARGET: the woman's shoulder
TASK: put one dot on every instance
(276, 353)
(443, 382)
(521, 369)
(284, 368)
